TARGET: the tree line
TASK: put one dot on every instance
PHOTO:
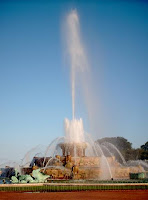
(125, 147)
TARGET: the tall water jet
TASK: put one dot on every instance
(78, 62)
(76, 52)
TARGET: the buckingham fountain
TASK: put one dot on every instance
(75, 155)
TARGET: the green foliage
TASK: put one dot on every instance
(145, 146)
(144, 151)
(125, 147)
(78, 187)
(144, 155)
(132, 154)
(120, 142)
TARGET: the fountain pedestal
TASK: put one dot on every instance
(73, 149)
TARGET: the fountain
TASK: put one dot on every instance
(75, 155)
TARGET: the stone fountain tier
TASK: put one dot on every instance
(73, 149)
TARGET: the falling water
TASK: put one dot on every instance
(115, 148)
(106, 149)
(52, 148)
(104, 162)
(28, 156)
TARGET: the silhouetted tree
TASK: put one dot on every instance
(122, 144)
(125, 147)
(145, 146)
(144, 151)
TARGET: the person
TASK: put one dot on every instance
(4, 182)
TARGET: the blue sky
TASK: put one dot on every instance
(35, 94)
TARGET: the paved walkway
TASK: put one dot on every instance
(83, 195)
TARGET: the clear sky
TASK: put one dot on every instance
(35, 94)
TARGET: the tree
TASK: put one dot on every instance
(144, 152)
(120, 142)
(125, 148)
(145, 146)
